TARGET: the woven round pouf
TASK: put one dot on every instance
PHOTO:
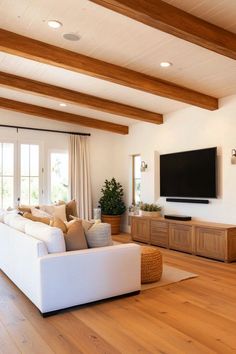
(151, 264)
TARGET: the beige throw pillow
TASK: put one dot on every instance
(60, 212)
(75, 238)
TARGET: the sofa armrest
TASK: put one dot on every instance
(78, 277)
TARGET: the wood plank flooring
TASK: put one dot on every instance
(196, 316)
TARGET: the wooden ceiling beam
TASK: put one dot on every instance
(60, 116)
(170, 19)
(59, 93)
(45, 53)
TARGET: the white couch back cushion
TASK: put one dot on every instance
(16, 221)
(51, 236)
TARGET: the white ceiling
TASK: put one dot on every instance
(120, 40)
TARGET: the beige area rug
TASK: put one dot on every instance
(170, 275)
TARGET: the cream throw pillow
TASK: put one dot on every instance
(58, 211)
(40, 213)
(99, 235)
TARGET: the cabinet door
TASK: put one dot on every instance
(180, 237)
(159, 233)
(210, 242)
(140, 229)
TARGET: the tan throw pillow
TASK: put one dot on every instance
(56, 222)
(24, 208)
(36, 218)
(85, 223)
(75, 238)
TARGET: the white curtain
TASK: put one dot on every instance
(80, 175)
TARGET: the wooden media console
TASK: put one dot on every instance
(207, 239)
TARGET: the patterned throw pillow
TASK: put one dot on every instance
(99, 235)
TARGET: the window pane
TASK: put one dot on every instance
(1, 145)
(137, 190)
(7, 192)
(137, 166)
(24, 190)
(34, 190)
(29, 174)
(59, 176)
(136, 179)
(34, 160)
(8, 159)
(24, 156)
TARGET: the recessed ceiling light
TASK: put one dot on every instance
(165, 64)
(62, 104)
(54, 24)
(71, 37)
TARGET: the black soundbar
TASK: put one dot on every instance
(178, 217)
(182, 200)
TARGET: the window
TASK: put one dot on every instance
(29, 174)
(6, 175)
(136, 197)
(59, 176)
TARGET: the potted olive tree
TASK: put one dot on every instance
(112, 204)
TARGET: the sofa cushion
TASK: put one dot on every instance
(99, 235)
(75, 238)
(16, 221)
(51, 236)
(32, 217)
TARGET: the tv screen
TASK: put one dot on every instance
(189, 174)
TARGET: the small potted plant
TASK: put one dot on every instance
(150, 210)
(112, 204)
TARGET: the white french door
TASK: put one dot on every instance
(7, 174)
(29, 174)
(20, 174)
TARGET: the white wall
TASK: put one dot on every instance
(188, 129)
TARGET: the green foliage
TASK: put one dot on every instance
(111, 202)
(149, 207)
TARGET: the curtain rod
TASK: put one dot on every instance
(44, 130)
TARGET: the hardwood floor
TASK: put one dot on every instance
(194, 316)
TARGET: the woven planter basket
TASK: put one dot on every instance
(153, 214)
(151, 264)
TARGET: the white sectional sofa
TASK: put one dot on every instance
(58, 280)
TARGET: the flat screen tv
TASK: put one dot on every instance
(189, 174)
